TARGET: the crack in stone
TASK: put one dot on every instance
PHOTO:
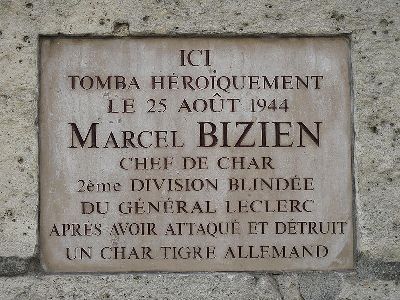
(275, 283)
(299, 291)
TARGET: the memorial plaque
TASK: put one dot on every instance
(195, 154)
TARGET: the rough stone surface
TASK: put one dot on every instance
(160, 286)
(368, 289)
(198, 286)
(374, 30)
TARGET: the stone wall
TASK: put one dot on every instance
(373, 27)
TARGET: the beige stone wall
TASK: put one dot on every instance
(373, 27)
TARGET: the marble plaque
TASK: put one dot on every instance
(195, 154)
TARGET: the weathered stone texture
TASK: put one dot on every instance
(161, 286)
(374, 30)
(315, 286)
